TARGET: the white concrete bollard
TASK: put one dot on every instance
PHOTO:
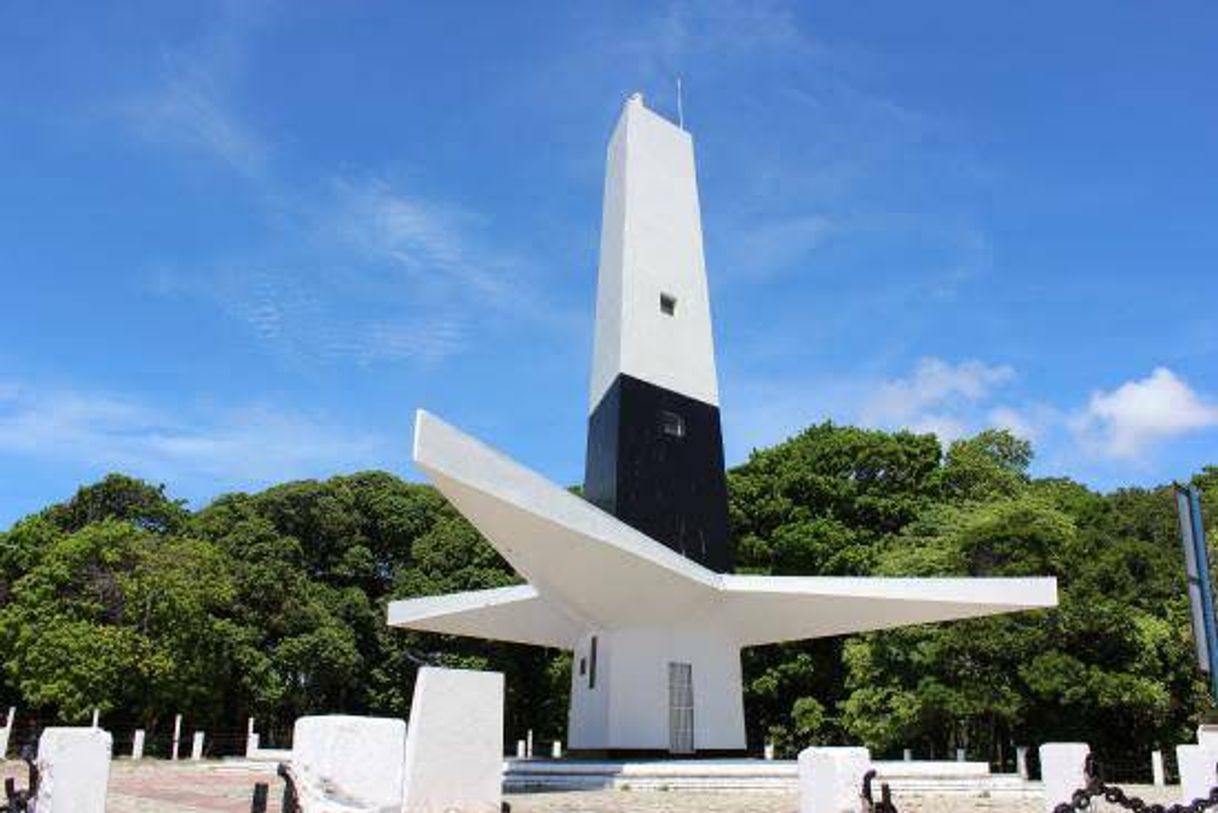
(768, 752)
(454, 742)
(831, 779)
(137, 744)
(73, 770)
(1021, 761)
(556, 750)
(6, 733)
(1159, 776)
(177, 736)
(907, 755)
(960, 755)
(348, 763)
(521, 749)
(1062, 770)
(196, 746)
(1198, 774)
(251, 739)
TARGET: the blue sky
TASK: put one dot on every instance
(242, 243)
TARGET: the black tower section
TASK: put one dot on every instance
(655, 461)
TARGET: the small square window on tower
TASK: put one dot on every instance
(672, 424)
(668, 304)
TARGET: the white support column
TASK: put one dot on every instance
(196, 746)
(556, 749)
(522, 750)
(1156, 769)
(1198, 771)
(907, 755)
(768, 752)
(137, 744)
(1021, 761)
(960, 755)
(96, 717)
(831, 779)
(177, 736)
(1062, 769)
(73, 770)
(528, 751)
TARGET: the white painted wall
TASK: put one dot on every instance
(628, 708)
(651, 243)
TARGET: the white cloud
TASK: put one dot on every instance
(1128, 421)
(186, 112)
(216, 448)
(932, 395)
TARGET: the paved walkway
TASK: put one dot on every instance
(154, 786)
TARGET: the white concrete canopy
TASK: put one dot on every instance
(587, 570)
(589, 573)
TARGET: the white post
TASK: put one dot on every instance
(556, 750)
(1156, 768)
(137, 744)
(251, 740)
(177, 735)
(1021, 761)
(7, 731)
(908, 755)
(831, 779)
(769, 751)
(529, 744)
(96, 718)
(73, 770)
(520, 749)
(196, 746)
(1062, 770)
(960, 755)
(1197, 771)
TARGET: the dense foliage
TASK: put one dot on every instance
(273, 604)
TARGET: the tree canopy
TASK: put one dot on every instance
(273, 604)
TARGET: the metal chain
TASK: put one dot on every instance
(1081, 799)
(884, 805)
(21, 801)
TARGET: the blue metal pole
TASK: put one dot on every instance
(1207, 593)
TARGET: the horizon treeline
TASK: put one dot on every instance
(272, 604)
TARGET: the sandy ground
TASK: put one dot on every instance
(161, 787)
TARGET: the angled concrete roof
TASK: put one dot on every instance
(587, 570)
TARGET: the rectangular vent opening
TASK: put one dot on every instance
(668, 304)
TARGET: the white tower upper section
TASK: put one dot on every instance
(652, 306)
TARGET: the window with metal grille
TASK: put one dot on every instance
(672, 424)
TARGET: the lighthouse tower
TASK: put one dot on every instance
(635, 580)
(655, 448)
